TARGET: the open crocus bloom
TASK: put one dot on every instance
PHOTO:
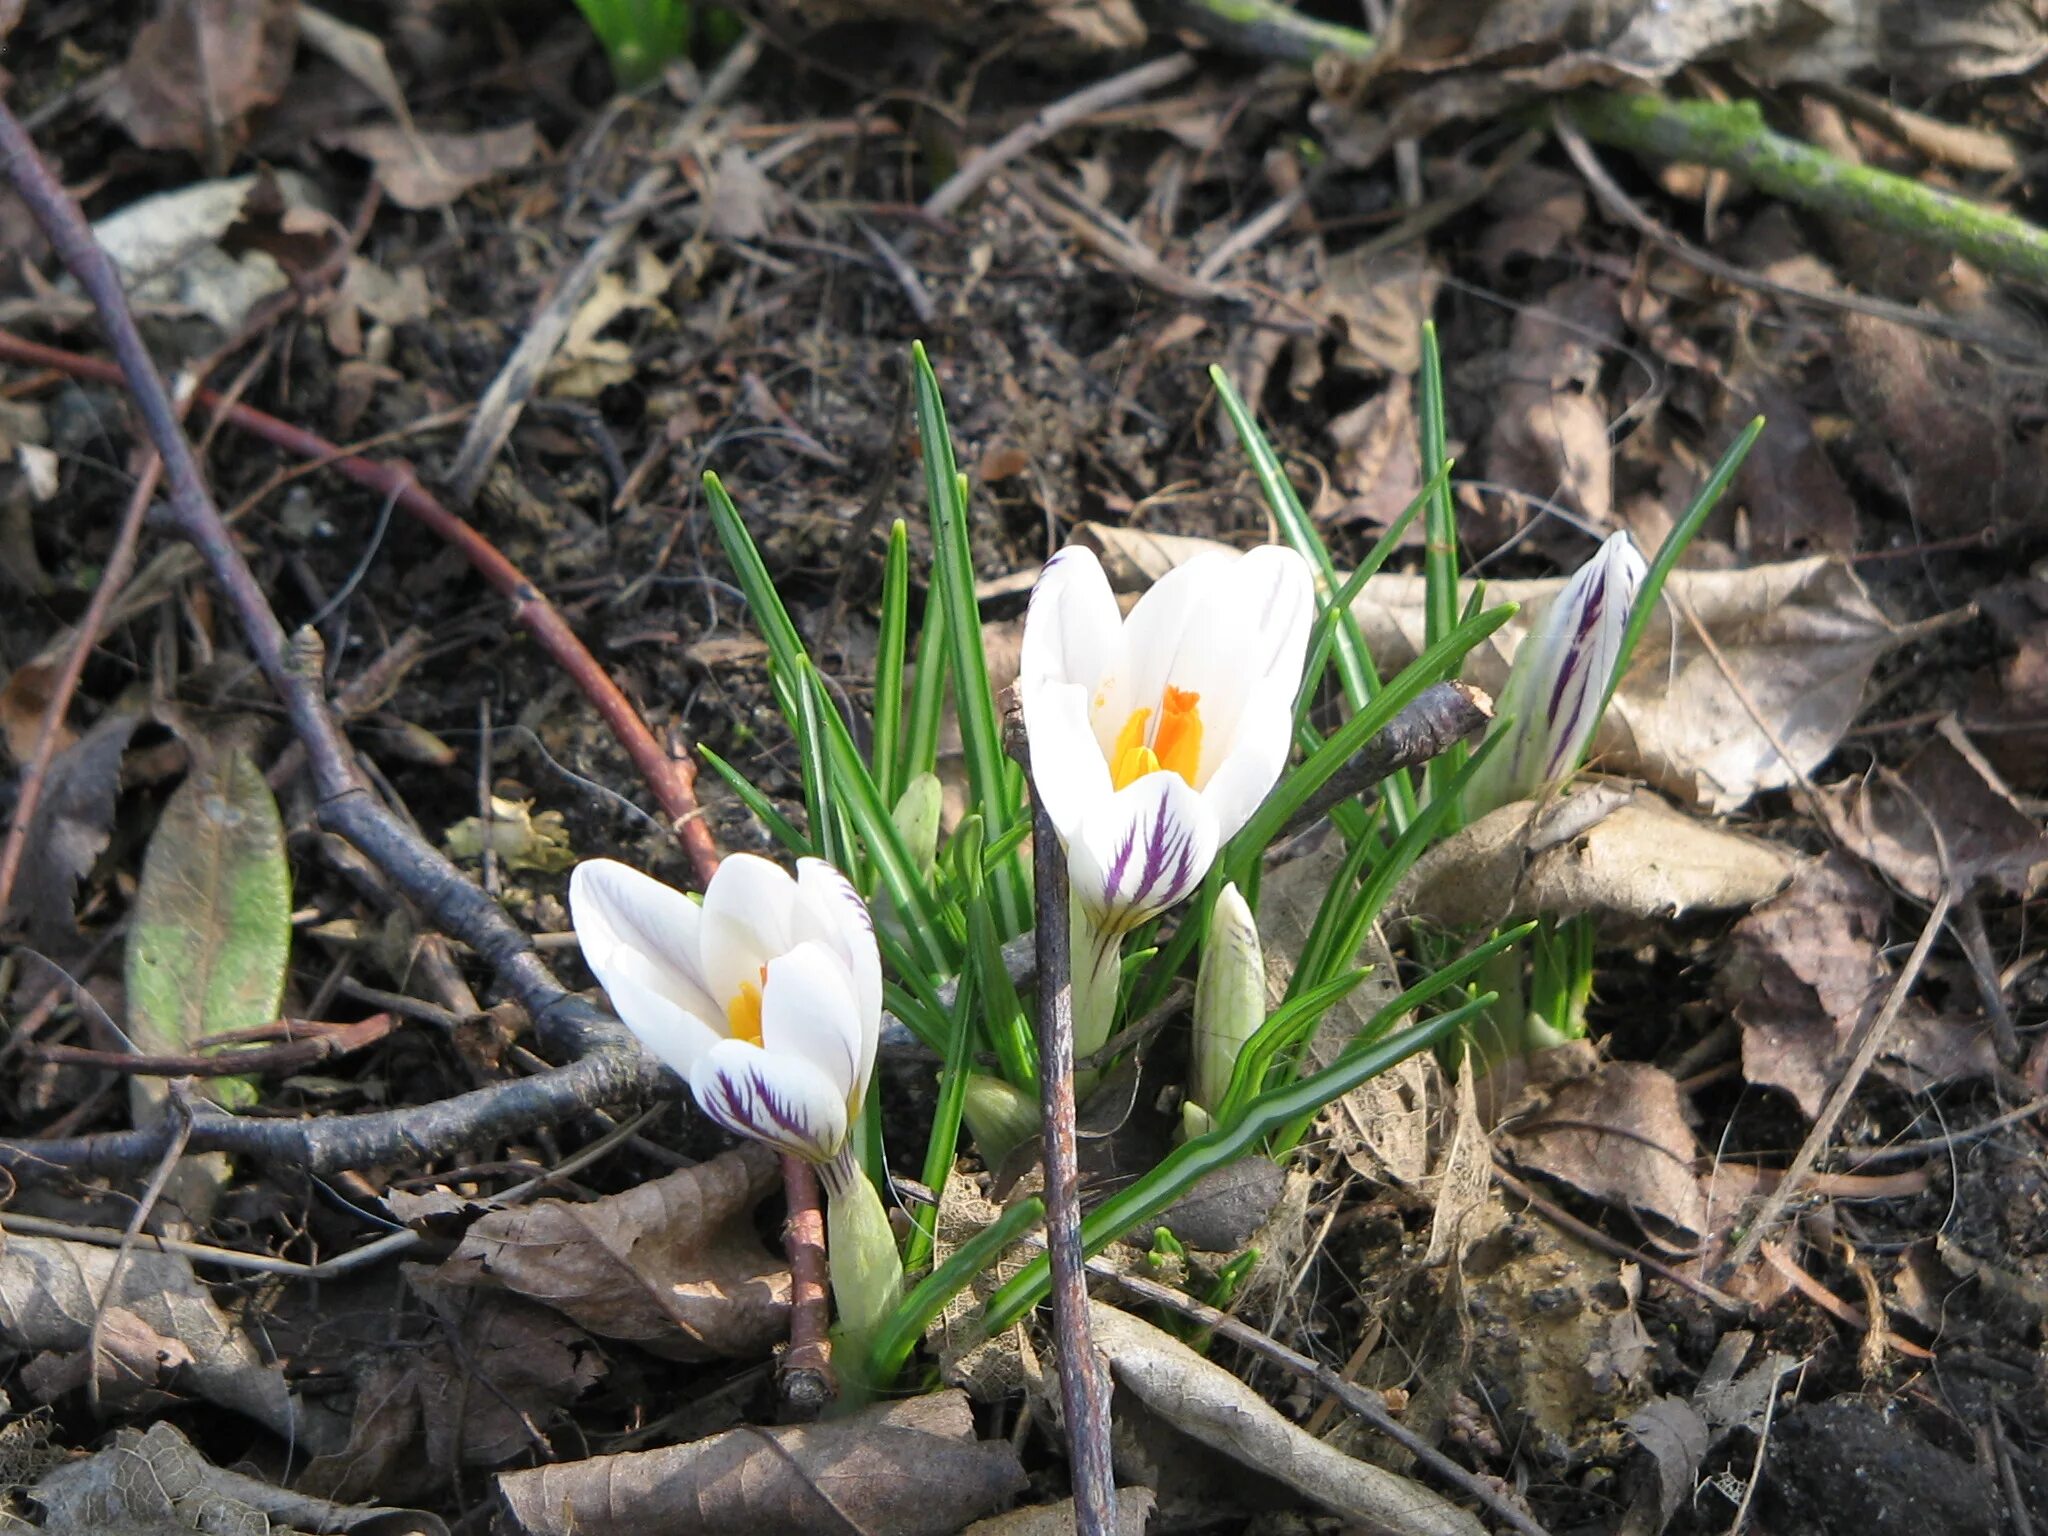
(1155, 737)
(1557, 688)
(767, 999)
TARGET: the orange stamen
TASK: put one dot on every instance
(1179, 742)
(1177, 746)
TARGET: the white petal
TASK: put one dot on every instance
(808, 1011)
(676, 1037)
(747, 911)
(1073, 631)
(1067, 765)
(830, 910)
(1258, 756)
(1142, 850)
(632, 927)
(1179, 603)
(782, 1100)
(1262, 608)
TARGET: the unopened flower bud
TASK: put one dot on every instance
(1230, 997)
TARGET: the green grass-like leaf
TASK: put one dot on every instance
(639, 36)
(1437, 662)
(892, 635)
(995, 781)
(907, 1324)
(1152, 1192)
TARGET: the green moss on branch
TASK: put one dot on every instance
(1734, 138)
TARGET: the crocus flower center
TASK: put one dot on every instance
(743, 1013)
(1176, 746)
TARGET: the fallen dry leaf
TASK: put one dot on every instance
(50, 1289)
(432, 170)
(152, 1482)
(1942, 816)
(742, 201)
(1938, 421)
(1619, 1135)
(1206, 1402)
(195, 73)
(1604, 850)
(1530, 214)
(358, 54)
(1377, 303)
(72, 823)
(1382, 1127)
(1802, 971)
(1378, 465)
(673, 1265)
(1134, 1508)
(1799, 639)
(1796, 500)
(591, 362)
(172, 249)
(132, 1363)
(1549, 432)
(519, 836)
(2008, 713)
(911, 1468)
(492, 1376)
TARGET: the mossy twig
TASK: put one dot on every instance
(1734, 138)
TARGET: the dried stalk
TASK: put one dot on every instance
(1084, 1392)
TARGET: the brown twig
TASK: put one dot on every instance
(120, 565)
(325, 1041)
(1047, 122)
(1433, 722)
(672, 779)
(1083, 1390)
(608, 1069)
(804, 1375)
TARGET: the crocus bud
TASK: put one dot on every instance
(1558, 685)
(917, 819)
(1230, 997)
(1001, 1118)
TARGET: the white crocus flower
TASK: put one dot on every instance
(1155, 737)
(766, 999)
(1557, 688)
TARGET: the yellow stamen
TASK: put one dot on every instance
(1130, 760)
(1177, 748)
(744, 1012)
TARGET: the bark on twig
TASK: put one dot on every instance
(1434, 721)
(804, 1376)
(1084, 1392)
(672, 779)
(609, 1068)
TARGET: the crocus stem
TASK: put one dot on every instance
(867, 1271)
(1096, 959)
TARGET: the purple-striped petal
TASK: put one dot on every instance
(1141, 851)
(781, 1100)
(1557, 686)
